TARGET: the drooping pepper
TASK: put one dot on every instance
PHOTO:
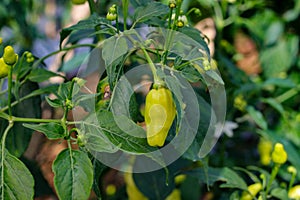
(160, 112)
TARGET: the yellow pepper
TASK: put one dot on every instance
(160, 112)
(265, 148)
(131, 189)
(294, 192)
(9, 56)
(279, 155)
(252, 191)
(175, 195)
(3, 69)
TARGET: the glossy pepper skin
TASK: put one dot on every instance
(160, 112)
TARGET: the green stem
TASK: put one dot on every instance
(288, 94)
(20, 100)
(177, 13)
(63, 49)
(3, 91)
(188, 63)
(125, 4)
(34, 120)
(117, 21)
(170, 18)
(273, 176)
(66, 109)
(92, 6)
(157, 80)
(9, 90)
(10, 125)
(292, 181)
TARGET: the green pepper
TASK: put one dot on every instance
(160, 112)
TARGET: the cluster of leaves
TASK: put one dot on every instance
(110, 126)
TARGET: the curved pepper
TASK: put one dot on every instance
(160, 112)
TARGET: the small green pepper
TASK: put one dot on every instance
(160, 112)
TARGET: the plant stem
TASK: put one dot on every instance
(288, 94)
(117, 21)
(66, 109)
(9, 90)
(125, 4)
(157, 80)
(92, 6)
(34, 120)
(273, 176)
(177, 13)
(10, 125)
(292, 181)
(170, 18)
(63, 49)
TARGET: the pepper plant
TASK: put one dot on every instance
(155, 114)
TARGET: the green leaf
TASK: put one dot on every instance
(51, 130)
(40, 75)
(279, 58)
(257, 117)
(89, 23)
(275, 104)
(230, 178)
(64, 90)
(75, 62)
(280, 193)
(174, 85)
(113, 48)
(73, 175)
(195, 34)
(121, 98)
(108, 133)
(284, 83)
(17, 182)
(44, 90)
(205, 117)
(190, 73)
(215, 76)
(187, 44)
(153, 184)
(274, 32)
(123, 101)
(153, 9)
(96, 141)
(55, 103)
(118, 137)
(19, 137)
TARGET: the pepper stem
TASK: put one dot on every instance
(158, 82)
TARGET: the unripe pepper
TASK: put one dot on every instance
(3, 69)
(160, 112)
